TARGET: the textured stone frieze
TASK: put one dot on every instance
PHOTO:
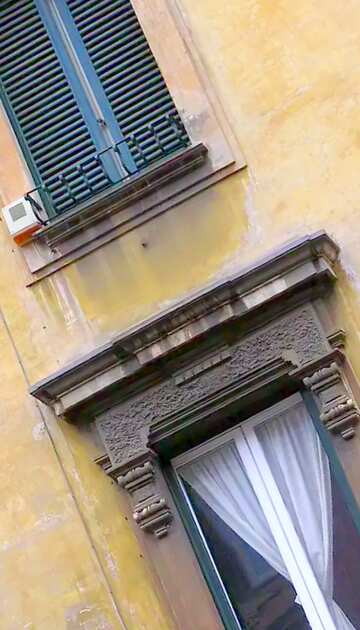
(211, 361)
(124, 429)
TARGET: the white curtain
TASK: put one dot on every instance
(220, 479)
(301, 471)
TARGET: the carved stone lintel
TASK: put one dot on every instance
(291, 341)
(337, 339)
(338, 411)
(150, 510)
(124, 429)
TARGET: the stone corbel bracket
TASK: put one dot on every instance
(150, 510)
(338, 410)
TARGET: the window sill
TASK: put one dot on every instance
(118, 196)
(123, 208)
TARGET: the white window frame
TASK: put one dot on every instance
(275, 511)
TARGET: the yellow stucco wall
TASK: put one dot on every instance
(287, 78)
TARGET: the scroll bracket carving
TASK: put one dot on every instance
(338, 410)
(149, 508)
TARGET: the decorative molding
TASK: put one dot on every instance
(337, 339)
(322, 376)
(197, 368)
(338, 410)
(170, 373)
(150, 509)
(124, 429)
(295, 273)
(137, 477)
(154, 517)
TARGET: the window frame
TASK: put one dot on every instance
(186, 511)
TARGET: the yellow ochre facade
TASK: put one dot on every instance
(283, 80)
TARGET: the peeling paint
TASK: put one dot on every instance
(39, 431)
(111, 564)
(86, 617)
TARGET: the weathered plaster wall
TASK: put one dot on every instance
(286, 76)
(52, 575)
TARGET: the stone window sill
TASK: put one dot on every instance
(116, 198)
(121, 209)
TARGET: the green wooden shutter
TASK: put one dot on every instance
(130, 77)
(48, 107)
(50, 126)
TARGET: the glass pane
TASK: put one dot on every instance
(261, 597)
(241, 543)
(302, 473)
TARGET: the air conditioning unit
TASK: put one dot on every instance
(21, 220)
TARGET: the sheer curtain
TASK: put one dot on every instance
(221, 481)
(301, 472)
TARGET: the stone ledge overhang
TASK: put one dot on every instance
(113, 200)
(302, 268)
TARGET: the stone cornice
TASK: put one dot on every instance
(303, 268)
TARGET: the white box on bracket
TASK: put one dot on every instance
(21, 220)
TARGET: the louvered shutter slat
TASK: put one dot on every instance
(85, 12)
(67, 161)
(43, 124)
(53, 129)
(143, 69)
(40, 97)
(112, 56)
(128, 43)
(54, 125)
(21, 60)
(109, 29)
(35, 79)
(102, 17)
(144, 113)
(47, 113)
(57, 135)
(19, 66)
(121, 57)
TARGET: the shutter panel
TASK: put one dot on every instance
(46, 111)
(130, 77)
